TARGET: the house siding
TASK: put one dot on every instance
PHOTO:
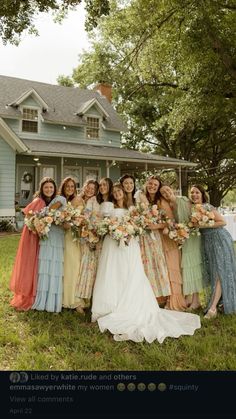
(52, 132)
(7, 178)
(30, 101)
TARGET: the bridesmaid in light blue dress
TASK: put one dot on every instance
(219, 260)
(50, 269)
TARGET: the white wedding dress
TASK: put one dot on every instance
(123, 300)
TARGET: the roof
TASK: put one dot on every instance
(11, 138)
(66, 149)
(63, 102)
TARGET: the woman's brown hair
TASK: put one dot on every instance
(110, 184)
(158, 194)
(63, 187)
(205, 197)
(40, 194)
(119, 186)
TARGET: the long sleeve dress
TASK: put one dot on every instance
(25, 272)
(50, 271)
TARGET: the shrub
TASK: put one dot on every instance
(7, 225)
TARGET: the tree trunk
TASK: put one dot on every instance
(216, 196)
(184, 178)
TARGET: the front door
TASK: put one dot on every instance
(25, 184)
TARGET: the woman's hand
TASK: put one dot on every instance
(153, 226)
(66, 226)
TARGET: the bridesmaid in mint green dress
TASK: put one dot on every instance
(192, 269)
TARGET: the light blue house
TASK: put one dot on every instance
(50, 130)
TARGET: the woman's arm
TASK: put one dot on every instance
(219, 220)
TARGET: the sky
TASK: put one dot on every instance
(54, 52)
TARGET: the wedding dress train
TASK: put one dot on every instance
(123, 300)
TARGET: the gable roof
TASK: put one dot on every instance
(27, 94)
(88, 105)
(62, 102)
(11, 138)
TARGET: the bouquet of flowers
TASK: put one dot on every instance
(102, 226)
(179, 232)
(123, 229)
(39, 222)
(73, 217)
(201, 216)
(143, 215)
(89, 228)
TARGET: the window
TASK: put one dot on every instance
(48, 171)
(75, 172)
(92, 130)
(30, 120)
(91, 173)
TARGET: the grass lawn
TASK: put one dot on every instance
(43, 341)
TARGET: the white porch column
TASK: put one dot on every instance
(180, 181)
(62, 168)
(146, 167)
(108, 168)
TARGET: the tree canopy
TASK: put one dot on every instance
(172, 66)
(16, 16)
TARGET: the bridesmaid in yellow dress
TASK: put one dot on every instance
(176, 300)
(151, 246)
(89, 256)
(72, 252)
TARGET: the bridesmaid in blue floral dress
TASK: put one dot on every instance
(219, 260)
(50, 270)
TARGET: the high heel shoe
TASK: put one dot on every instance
(211, 314)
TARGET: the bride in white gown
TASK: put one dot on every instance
(123, 300)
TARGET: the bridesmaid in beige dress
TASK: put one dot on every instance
(89, 256)
(72, 252)
(176, 300)
(152, 252)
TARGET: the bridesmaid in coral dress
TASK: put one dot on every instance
(23, 281)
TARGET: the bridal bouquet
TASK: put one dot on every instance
(122, 230)
(201, 216)
(179, 232)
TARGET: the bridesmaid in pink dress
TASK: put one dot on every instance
(23, 281)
